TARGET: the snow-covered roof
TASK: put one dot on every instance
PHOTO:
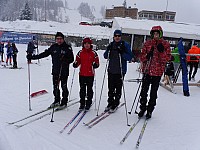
(52, 27)
(170, 29)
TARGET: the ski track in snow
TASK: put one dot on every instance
(174, 124)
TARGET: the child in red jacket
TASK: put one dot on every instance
(88, 61)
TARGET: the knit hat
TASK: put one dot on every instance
(86, 40)
(59, 34)
(118, 32)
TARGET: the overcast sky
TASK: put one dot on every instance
(187, 10)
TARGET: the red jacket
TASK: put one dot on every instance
(157, 62)
(193, 50)
(86, 58)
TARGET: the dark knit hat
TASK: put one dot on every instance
(117, 32)
(59, 34)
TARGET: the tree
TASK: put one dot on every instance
(26, 13)
(85, 11)
(103, 11)
(124, 3)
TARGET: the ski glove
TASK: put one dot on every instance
(95, 65)
(150, 54)
(75, 64)
(160, 47)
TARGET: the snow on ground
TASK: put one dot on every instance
(174, 125)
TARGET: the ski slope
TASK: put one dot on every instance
(173, 126)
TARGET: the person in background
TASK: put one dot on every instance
(154, 56)
(15, 51)
(193, 61)
(9, 53)
(88, 61)
(62, 56)
(1, 51)
(118, 53)
(31, 48)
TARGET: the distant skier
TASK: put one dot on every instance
(1, 51)
(15, 51)
(118, 53)
(193, 61)
(31, 48)
(62, 57)
(88, 60)
(9, 53)
(154, 56)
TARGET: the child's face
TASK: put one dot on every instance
(87, 45)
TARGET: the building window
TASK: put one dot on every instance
(145, 15)
(171, 17)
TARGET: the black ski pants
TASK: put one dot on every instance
(154, 81)
(14, 61)
(86, 84)
(56, 90)
(195, 66)
(115, 82)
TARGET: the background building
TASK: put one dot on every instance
(121, 11)
(156, 15)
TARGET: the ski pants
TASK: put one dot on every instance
(56, 90)
(115, 82)
(184, 74)
(195, 66)
(154, 81)
(14, 61)
(86, 84)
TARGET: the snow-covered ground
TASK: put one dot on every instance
(174, 125)
(51, 27)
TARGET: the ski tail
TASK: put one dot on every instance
(72, 120)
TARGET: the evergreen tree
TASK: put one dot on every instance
(85, 11)
(124, 3)
(26, 13)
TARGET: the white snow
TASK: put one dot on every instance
(174, 125)
(52, 27)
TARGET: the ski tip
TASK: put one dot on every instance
(121, 142)
(9, 123)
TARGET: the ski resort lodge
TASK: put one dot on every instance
(136, 32)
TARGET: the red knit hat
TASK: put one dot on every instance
(87, 40)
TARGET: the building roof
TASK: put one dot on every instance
(170, 29)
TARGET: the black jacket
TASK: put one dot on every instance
(31, 47)
(62, 56)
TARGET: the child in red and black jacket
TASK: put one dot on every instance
(88, 61)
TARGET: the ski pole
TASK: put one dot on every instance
(122, 78)
(135, 97)
(57, 93)
(38, 50)
(102, 86)
(95, 90)
(29, 87)
(72, 84)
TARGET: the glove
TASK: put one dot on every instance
(29, 56)
(160, 47)
(75, 64)
(95, 65)
(150, 54)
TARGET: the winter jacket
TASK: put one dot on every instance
(156, 64)
(113, 51)
(62, 56)
(15, 51)
(1, 48)
(9, 50)
(31, 47)
(176, 55)
(193, 50)
(86, 58)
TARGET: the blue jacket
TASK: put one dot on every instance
(112, 53)
(9, 50)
